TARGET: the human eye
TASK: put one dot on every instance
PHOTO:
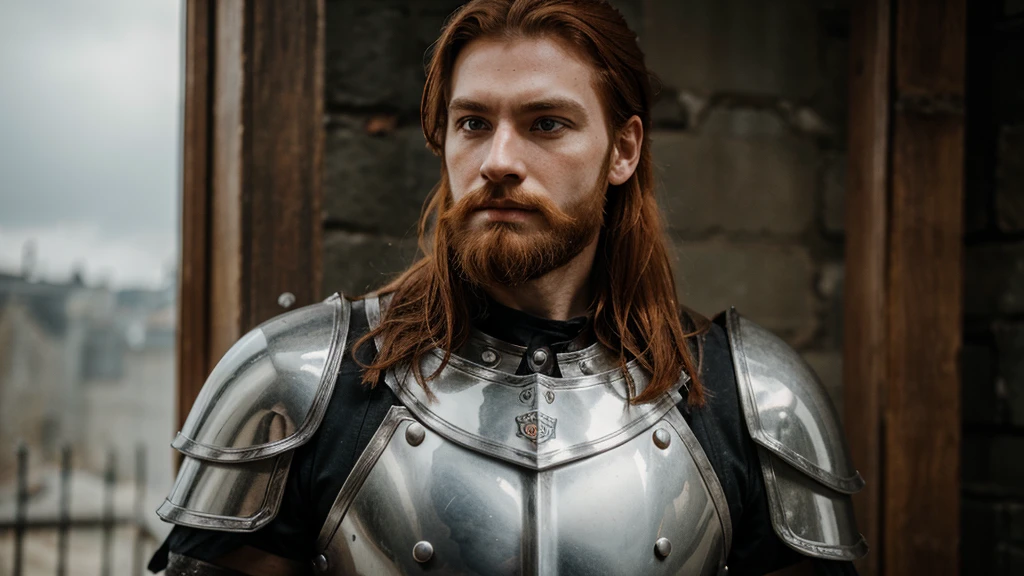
(472, 124)
(549, 125)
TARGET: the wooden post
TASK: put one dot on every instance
(922, 432)
(904, 275)
(253, 147)
(864, 324)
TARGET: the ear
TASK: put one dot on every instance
(626, 151)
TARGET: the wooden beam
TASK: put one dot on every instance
(229, 177)
(285, 156)
(922, 433)
(252, 172)
(864, 334)
(904, 272)
(193, 287)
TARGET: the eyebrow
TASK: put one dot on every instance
(468, 105)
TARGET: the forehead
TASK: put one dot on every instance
(507, 71)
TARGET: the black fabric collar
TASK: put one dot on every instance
(518, 327)
(534, 333)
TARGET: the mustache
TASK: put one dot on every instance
(498, 196)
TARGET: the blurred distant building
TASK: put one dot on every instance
(89, 366)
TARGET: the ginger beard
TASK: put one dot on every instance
(512, 253)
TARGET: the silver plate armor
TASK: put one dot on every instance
(263, 399)
(806, 465)
(506, 474)
(497, 473)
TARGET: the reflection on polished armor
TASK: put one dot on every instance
(262, 400)
(806, 465)
(497, 473)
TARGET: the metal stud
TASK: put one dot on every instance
(662, 438)
(414, 434)
(286, 299)
(320, 563)
(490, 357)
(662, 547)
(422, 551)
(540, 356)
(549, 396)
(585, 368)
(526, 396)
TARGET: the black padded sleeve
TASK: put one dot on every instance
(318, 471)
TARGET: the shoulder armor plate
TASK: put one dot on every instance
(264, 398)
(808, 472)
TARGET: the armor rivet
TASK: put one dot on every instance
(415, 433)
(725, 571)
(662, 440)
(422, 551)
(286, 299)
(540, 356)
(549, 396)
(320, 563)
(662, 547)
(526, 396)
(490, 357)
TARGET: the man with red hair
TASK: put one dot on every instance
(528, 397)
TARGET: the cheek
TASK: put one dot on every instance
(462, 172)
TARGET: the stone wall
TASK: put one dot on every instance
(993, 355)
(749, 146)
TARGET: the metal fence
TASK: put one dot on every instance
(65, 522)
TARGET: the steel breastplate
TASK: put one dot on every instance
(504, 474)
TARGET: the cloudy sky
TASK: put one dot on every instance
(90, 116)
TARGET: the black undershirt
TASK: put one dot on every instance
(319, 467)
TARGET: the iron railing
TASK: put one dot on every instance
(65, 522)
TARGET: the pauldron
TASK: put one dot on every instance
(264, 398)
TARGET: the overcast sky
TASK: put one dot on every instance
(90, 108)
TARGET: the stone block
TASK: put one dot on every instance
(377, 183)
(356, 263)
(740, 173)
(828, 365)
(832, 99)
(375, 50)
(833, 194)
(1008, 73)
(1009, 385)
(1010, 179)
(1009, 558)
(977, 523)
(994, 279)
(990, 530)
(831, 279)
(994, 464)
(772, 285)
(734, 45)
(978, 391)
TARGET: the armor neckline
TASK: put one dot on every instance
(532, 420)
(593, 359)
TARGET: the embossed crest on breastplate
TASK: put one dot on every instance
(536, 426)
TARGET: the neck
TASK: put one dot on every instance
(561, 294)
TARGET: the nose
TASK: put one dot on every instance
(504, 162)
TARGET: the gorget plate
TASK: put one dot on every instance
(535, 421)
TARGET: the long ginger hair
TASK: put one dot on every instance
(634, 308)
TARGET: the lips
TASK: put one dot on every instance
(506, 205)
